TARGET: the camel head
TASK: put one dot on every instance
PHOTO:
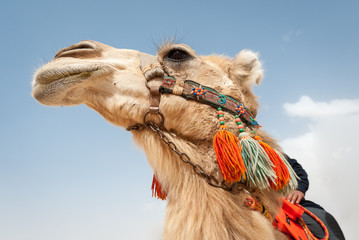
(119, 83)
(111, 81)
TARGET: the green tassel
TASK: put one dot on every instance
(259, 167)
(293, 183)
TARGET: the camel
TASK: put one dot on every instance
(122, 85)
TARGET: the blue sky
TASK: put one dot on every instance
(65, 173)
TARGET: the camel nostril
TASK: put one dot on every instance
(83, 49)
(83, 46)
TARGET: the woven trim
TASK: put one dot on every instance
(211, 97)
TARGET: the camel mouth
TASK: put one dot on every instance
(52, 75)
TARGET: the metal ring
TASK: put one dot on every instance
(157, 112)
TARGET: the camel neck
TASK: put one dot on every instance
(193, 206)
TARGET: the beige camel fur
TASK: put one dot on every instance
(111, 82)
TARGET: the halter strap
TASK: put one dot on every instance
(152, 70)
(206, 95)
(187, 89)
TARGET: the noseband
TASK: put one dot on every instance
(151, 70)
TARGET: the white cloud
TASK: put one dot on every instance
(328, 152)
(307, 108)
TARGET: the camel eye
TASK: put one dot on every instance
(177, 55)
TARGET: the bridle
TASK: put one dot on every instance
(191, 90)
(152, 70)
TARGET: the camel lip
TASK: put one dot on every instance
(51, 75)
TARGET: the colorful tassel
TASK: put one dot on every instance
(157, 190)
(259, 168)
(279, 166)
(292, 183)
(228, 153)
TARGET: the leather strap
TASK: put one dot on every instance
(186, 89)
(155, 98)
(152, 70)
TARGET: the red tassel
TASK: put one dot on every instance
(156, 188)
(279, 167)
(228, 152)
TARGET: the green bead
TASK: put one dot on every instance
(241, 130)
(221, 122)
(220, 115)
(239, 123)
(253, 131)
(236, 116)
(219, 109)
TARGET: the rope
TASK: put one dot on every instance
(306, 229)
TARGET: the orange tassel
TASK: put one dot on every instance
(279, 167)
(157, 190)
(228, 152)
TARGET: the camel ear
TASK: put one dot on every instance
(246, 68)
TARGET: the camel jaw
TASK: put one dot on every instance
(54, 93)
(55, 85)
(47, 76)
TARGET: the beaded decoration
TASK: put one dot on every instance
(220, 116)
(222, 99)
(254, 121)
(239, 124)
(240, 109)
(199, 92)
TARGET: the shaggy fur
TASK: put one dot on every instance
(110, 81)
